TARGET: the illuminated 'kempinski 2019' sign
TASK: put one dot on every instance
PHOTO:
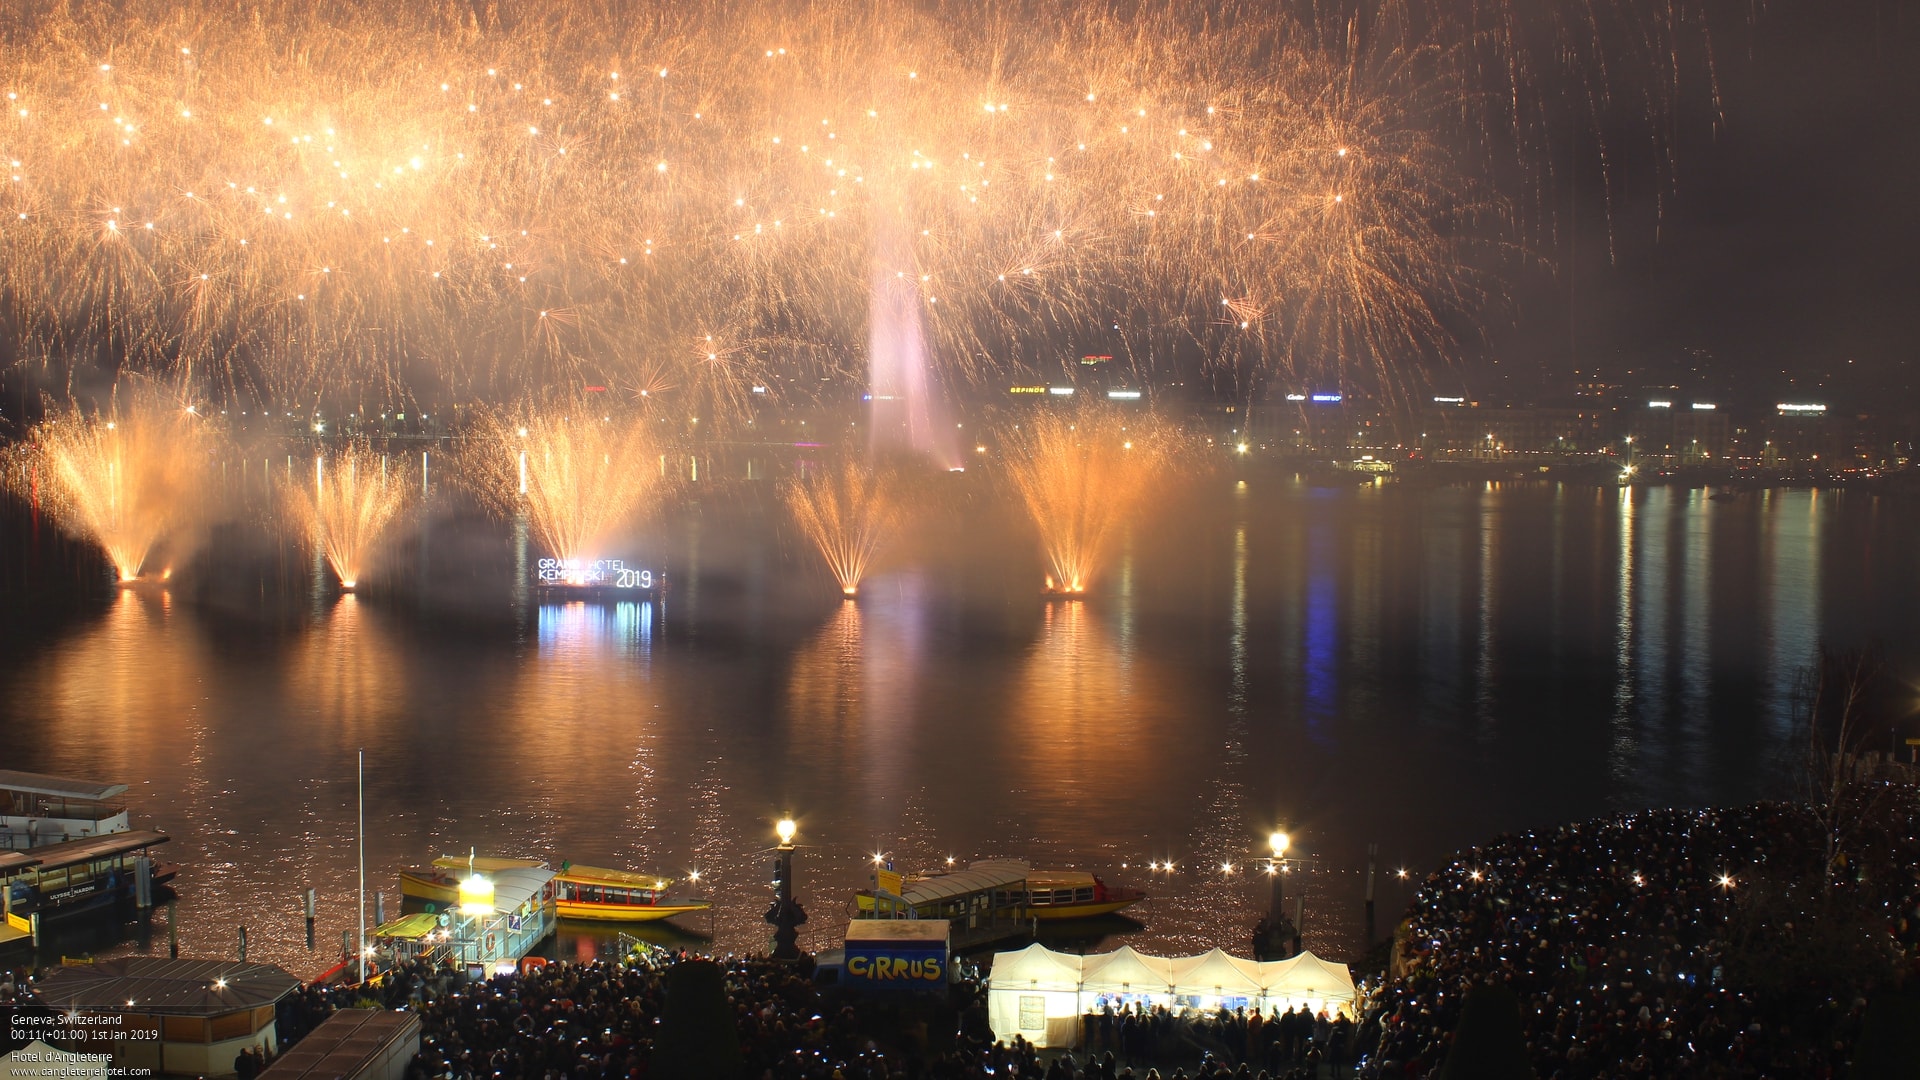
(593, 574)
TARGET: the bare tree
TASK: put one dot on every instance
(1832, 707)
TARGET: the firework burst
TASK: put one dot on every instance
(849, 512)
(1081, 475)
(391, 200)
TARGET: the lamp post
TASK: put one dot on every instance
(1276, 870)
(786, 914)
(1276, 931)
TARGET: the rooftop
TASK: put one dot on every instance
(151, 984)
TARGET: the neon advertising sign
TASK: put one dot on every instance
(594, 574)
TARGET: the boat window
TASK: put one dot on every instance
(647, 897)
(1083, 895)
(566, 890)
(619, 896)
(1063, 896)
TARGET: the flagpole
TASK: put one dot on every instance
(363, 865)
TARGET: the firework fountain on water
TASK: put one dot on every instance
(126, 478)
(1082, 475)
(355, 497)
(850, 513)
(577, 474)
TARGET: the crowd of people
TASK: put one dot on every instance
(1278, 1044)
(581, 1021)
(1662, 944)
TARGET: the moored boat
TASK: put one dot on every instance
(600, 895)
(61, 879)
(1000, 889)
(439, 883)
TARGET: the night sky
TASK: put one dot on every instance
(1784, 258)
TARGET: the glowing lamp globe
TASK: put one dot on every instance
(786, 829)
(1278, 842)
(476, 896)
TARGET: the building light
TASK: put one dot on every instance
(1324, 398)
(1449, 401)
(1659, 404)
(1060, 391)
(1789, 407)
(1705, 406)
(1296, 397)
(1123, 395)
(1026, 389)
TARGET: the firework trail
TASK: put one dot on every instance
(850, 513)
(1082, 475)
(354, 498)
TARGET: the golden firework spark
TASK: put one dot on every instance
(288, 200)
(850, 512)
(576, 473)
(124, 478)
(355, 496)
(1082, 475)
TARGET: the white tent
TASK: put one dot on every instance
(1217, 977)
(1305, 980)
(1129, 975)
(1041, 995)
(37, 1059)
(1035, 993)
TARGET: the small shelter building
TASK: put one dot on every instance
(193, 1017)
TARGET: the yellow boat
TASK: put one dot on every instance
(601, 895)
(1065, 894)
(440, 883)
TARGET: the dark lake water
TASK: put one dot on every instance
(1418, 668)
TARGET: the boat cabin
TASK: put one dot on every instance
(36, 809)
(78, 874)
(1052, 889)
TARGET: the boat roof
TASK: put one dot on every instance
(16, 860)
(514, 887)
(410, 927)
(1055, 879)
(87, 849)
(487, 864)
(960, 883)
(597, 875)
(155, 984)
(42, 784)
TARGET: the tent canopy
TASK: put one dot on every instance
(1036, 967)
(1211, 974)
(1222, 974)
(1124, 971)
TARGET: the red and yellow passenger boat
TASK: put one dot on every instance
(590, 893)
(600, 895)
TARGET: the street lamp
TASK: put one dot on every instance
(1276, 903)
(786, 914)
